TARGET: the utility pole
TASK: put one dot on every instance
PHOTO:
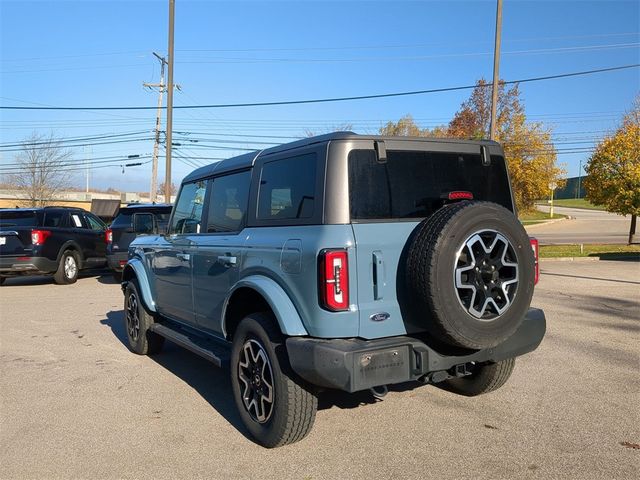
(496, 74)
(169, 136)
(579, 179)
(154, 165)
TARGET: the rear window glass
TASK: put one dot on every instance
(27, 218)
(413, 184)
(287, 188)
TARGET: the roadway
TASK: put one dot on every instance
(585, 226)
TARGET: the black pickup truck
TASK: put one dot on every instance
(56, 241)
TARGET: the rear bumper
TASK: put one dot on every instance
(355, 364)
(10, 266)
(114, 260)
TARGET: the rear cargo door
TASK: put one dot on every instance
(15, 232)
(389, 199)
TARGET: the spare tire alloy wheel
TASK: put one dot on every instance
(256, 381)
(486, 275)
(469, 275)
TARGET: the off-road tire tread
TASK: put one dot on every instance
(302, 403)
(152, 342)
(490, 377)
(421, 264)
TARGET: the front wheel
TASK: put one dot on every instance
(274, 406)
(137, 323)
(485, 379)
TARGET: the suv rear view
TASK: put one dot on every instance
(131, 221)
(50, 240)
(340, 262)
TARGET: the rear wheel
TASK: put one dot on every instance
(68, 269)
(137, 323)
(2, 279)
(117, 276)
(273, 404)
(485, 379)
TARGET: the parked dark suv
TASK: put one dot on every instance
(50, 240)
(131, 221)
(340, 262)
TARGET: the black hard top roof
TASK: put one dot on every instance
(146, 205)
(248, 159)
(40, 209)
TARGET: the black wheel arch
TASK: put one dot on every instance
(75, 248)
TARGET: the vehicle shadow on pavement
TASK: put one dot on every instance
(212, 383)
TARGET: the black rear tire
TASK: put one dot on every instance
(68, 268)
(469, 275)
(284, 409)
(485, 379)
(137, 321)
(117, 276)
(2, 279)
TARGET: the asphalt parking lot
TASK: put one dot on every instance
(77, 404)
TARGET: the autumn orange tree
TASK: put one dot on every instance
(613, 171)
(531, 156)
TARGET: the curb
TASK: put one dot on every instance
(588, 259)
(544, 222)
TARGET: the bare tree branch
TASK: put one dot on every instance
(41, 176)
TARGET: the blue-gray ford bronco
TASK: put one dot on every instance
(342, 262)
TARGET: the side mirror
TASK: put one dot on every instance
(143, 223)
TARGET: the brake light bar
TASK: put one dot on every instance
(108, 235)
(460, 195)
(38, 237)
(536, 254)
(333, 280)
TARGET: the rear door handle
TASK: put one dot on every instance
(183, 256)
(227, 260)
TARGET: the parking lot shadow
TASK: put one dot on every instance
(212, 383)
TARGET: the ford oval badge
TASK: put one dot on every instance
(379, 317)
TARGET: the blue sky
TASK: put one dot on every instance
(98, 53)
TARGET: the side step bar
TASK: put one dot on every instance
(215, 353)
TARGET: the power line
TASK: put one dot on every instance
(537, 51)
(338, 99)
(56, 142)
(44, 147)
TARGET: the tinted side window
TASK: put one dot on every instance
(228, 204)
(77, 220)
(188, 213)
(94, 222)
(55, 218)
(287, 188)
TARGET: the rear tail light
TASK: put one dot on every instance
(333, 281)
(108, 235)
(38, 237)
(536, 255)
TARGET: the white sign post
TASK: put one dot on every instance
(552, 187)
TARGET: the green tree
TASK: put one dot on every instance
(407, 127)
(530, 154)
(613, 171)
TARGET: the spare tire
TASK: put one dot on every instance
(469, 274)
